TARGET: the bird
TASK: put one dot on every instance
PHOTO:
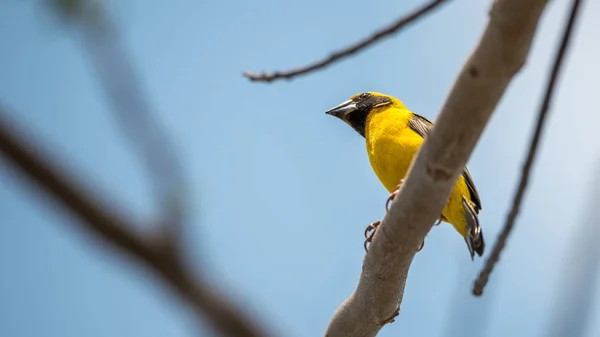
(393, 136)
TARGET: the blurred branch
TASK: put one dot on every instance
(106, 223)
(574, 309)
(116, 230)
(501, 53)
(130, 106)
(493, 258)
(350, 50)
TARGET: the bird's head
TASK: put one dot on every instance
(356, 110)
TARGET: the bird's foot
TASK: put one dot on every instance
(392, 317)
(370, 233)
(393, 195)
(369, 236)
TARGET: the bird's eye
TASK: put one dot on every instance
(365, 95)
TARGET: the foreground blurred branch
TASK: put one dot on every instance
(350, 50)
(501, 52)
(493, 258)
(130, 106)
(118, 231)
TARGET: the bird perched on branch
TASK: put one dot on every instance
(393, 136)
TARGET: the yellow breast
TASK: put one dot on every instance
(391, 144)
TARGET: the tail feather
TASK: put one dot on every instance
(474, 237)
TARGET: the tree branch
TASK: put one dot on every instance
(493, 258)
(348, 51)
(131, 108)
(500, 54)
(116, 230)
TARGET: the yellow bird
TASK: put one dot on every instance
(393, 136)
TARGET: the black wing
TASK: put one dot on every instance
(422, 125)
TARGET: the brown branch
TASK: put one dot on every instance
(500, 54)
(131, 109)
(116, 230)
(348, 51)
(493, 258)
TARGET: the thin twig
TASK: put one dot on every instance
(116, 230)
(350, 50)
(491, 261)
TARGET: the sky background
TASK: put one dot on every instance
(280, 192)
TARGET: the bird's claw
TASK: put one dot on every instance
(390, 199)
(369, 237)
(392, 317)
(393, 195)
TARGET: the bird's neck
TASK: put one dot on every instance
(380, 121)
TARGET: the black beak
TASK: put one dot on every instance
(343, 109)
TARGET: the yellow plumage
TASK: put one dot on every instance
(393, 136)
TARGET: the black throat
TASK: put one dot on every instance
(358, 120)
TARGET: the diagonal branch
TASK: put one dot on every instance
(116, 230)
(132, 111)
(501, 53)
(484, 275)
(106, 223)
(350, 50)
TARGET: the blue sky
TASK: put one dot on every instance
(280, 192)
